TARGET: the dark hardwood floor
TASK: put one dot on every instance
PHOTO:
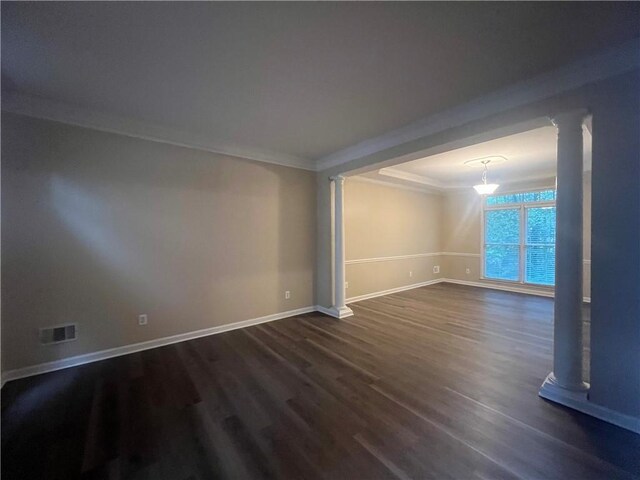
(437, 382)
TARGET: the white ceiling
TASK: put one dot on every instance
(530, 155)
(302, 79)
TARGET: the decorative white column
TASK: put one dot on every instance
(564, 384)
(339, 308)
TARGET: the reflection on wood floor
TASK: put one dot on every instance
(437, 382)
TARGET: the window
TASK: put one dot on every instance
(519, 237)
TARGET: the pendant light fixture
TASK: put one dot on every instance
(485, 188)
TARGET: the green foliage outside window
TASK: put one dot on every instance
(503, 244)
(523, 197)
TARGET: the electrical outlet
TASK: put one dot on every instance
(436, 269)
(468, 271)
(411, 274)
(346, 284)
(287, 295)
(142, 319)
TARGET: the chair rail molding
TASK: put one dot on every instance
(391, 258)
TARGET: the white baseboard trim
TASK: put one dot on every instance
(325, 310)
(497, 286)
(393, 290)
(506, 288)
(137, 347)
(579, 401)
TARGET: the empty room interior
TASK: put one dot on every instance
(332, 240)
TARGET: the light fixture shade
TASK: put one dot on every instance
(486, 188)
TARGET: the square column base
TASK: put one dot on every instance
(578, 400)
(339, 312)
(564, 396)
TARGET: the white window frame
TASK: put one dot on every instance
(523, 231)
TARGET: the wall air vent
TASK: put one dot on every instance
(59, 334)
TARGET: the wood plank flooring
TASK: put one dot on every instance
(437, 382)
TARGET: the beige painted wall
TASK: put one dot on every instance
(98, 228)
(601, 93)
(615, 287)
(386, 221)
(461, 234)
(383, 221)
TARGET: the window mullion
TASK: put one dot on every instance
(523, 221)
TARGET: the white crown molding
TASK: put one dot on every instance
(386, 183)
(609, 63)
(138, 347)
(39, 107)
(517, 185)
(412, 177)
(443, 187)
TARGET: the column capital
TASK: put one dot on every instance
(570, 117)
(337, 179)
